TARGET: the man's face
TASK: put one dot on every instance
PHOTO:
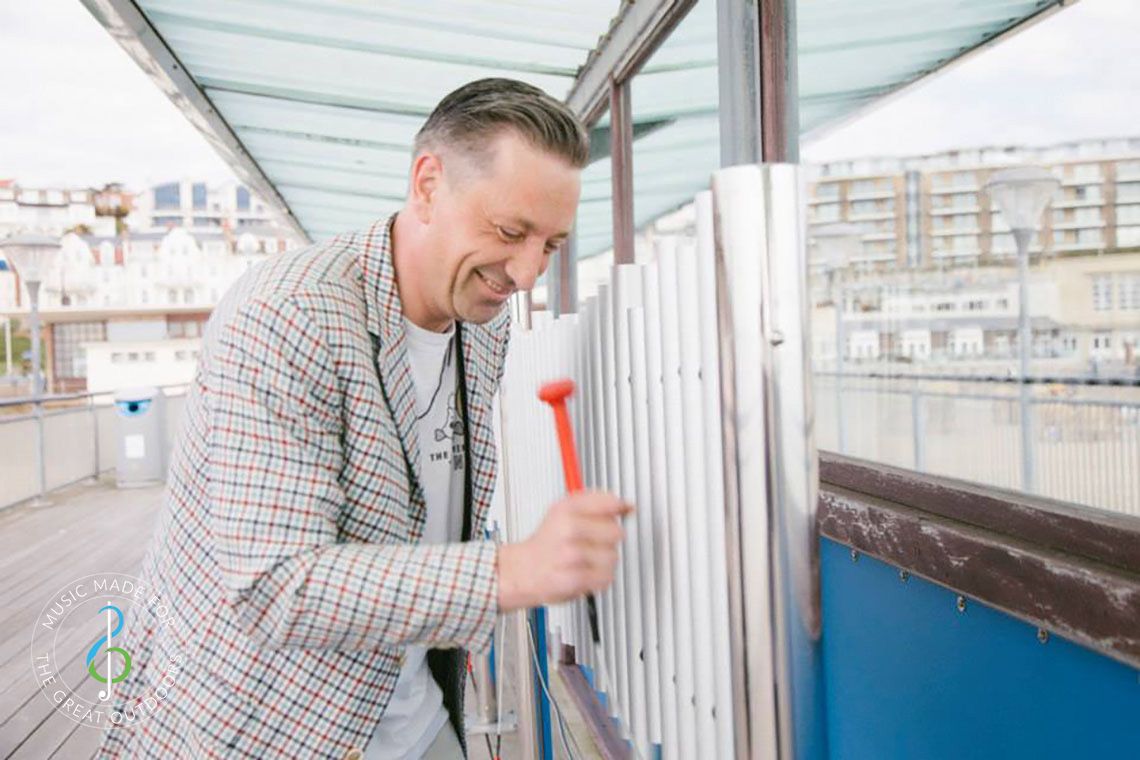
(493, 229)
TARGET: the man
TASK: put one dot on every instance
(337, 454)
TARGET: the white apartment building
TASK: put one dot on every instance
(49, 210)
(934, 210)
(130, 310)
(199, 206)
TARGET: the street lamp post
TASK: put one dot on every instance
(836, 245)
(8, 346)
(31, 255)
(1022, 194)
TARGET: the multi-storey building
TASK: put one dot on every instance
(934, 211)
(129, 310)
(200, 206)
(50, 210)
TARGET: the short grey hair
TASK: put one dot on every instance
(470, 117)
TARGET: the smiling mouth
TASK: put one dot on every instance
(496, 288)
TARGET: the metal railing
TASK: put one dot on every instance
(68, 437)
(1081, 450)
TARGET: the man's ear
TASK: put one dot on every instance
(427, 177)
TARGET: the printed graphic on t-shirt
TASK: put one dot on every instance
(450, 433)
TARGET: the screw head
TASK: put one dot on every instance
(961, 604)
(904, 576)
(1042, 635)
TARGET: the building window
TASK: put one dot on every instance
(69, 358)
(1128, 191)
(1130, 292)
(826, 212)
(944, 306)
(180, 356)
(1086, 172)
(1128, 236)
(132, 356)
(188, 296)
(116, 357)
(976, 305)
(242, 198)
(148, 356)
(168, 196)
(172, 296)
(198, 191)
(1102, 292)
(828, 191)
(1086, 193)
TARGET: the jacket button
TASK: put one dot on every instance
(354, 754)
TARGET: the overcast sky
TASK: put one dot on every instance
(75, 110)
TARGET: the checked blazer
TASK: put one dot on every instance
(286, 550)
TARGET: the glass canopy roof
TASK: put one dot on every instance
(326, 95)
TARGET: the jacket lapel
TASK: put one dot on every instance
(386, 324)
(478, 360)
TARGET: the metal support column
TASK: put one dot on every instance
(37, 390)
(621, 155)
(1024, 348)
(563, 288)
(759, 116)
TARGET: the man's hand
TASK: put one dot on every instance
(574, 551)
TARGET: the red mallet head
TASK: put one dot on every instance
(555, 393)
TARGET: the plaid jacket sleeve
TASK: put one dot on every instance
(275, 499)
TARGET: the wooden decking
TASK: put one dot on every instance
(98, 528)
(86, 529)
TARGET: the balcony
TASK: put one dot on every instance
(972, 208)
(1082, 180)
(1080, 246)
(1077, 224)
(867, 194)
(870, 216)
(951, 231)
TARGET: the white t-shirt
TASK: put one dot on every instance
(416, 713)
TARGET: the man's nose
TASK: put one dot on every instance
(525, 267)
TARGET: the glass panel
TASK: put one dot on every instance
(917, 331)
(677, 131)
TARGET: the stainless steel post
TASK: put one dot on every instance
(771, 467)
(839, 302)
(1024, 341)
(37, 389)
(918, 428)
(8, 346)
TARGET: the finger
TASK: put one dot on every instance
(604, 505)
(598, 531)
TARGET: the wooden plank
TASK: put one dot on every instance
(1091, 603)
(86, 530)
(121, 553)
(1102, 536)
(79, 745)
(598, 723)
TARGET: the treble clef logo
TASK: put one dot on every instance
(93, 652)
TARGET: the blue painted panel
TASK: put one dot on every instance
(908, 676)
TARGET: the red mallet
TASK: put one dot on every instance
(555, 393)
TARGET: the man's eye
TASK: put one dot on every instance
(552, 247)
(510, 235)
